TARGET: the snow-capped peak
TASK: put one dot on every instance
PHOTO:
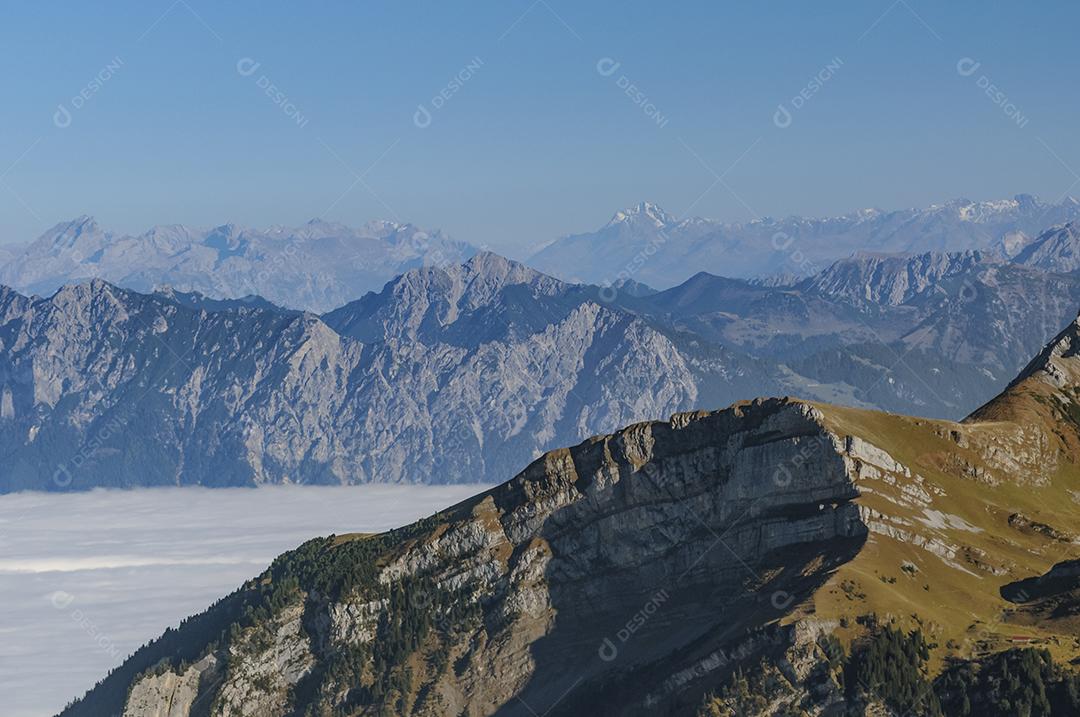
(643, 211)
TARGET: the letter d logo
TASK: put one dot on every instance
(246, 66)
(607, 67)
(781, 599)
(62, 477)
(967, 67)
(781, 118)
(61, 118)
(421, 118)
(61, 599)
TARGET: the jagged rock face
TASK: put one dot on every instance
(171, 694)
(315, 267)
(462, 375)
(269, 668)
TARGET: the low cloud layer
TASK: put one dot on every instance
(86, 578)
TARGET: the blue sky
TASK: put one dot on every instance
(533, 141)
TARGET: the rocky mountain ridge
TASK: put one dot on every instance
(766, 559)
(447, 375)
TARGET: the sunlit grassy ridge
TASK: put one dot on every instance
(954, 599)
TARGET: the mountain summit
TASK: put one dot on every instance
(644, 212)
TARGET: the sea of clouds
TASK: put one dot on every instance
(86, 578)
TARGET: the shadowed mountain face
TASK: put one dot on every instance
(455, 375)
(316, 267)
(778, 557)
(647, 244)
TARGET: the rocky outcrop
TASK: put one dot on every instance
(171, 694)
(265, 663)
(1056, 365)
(1061, 578)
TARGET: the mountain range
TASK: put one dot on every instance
(650, 246)
(449, 374)
(317, 267)
(465, 373)
(933, 334)
(323, 265)
(779, 557)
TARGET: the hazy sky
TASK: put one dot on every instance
(540, 117)
(78, 602)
